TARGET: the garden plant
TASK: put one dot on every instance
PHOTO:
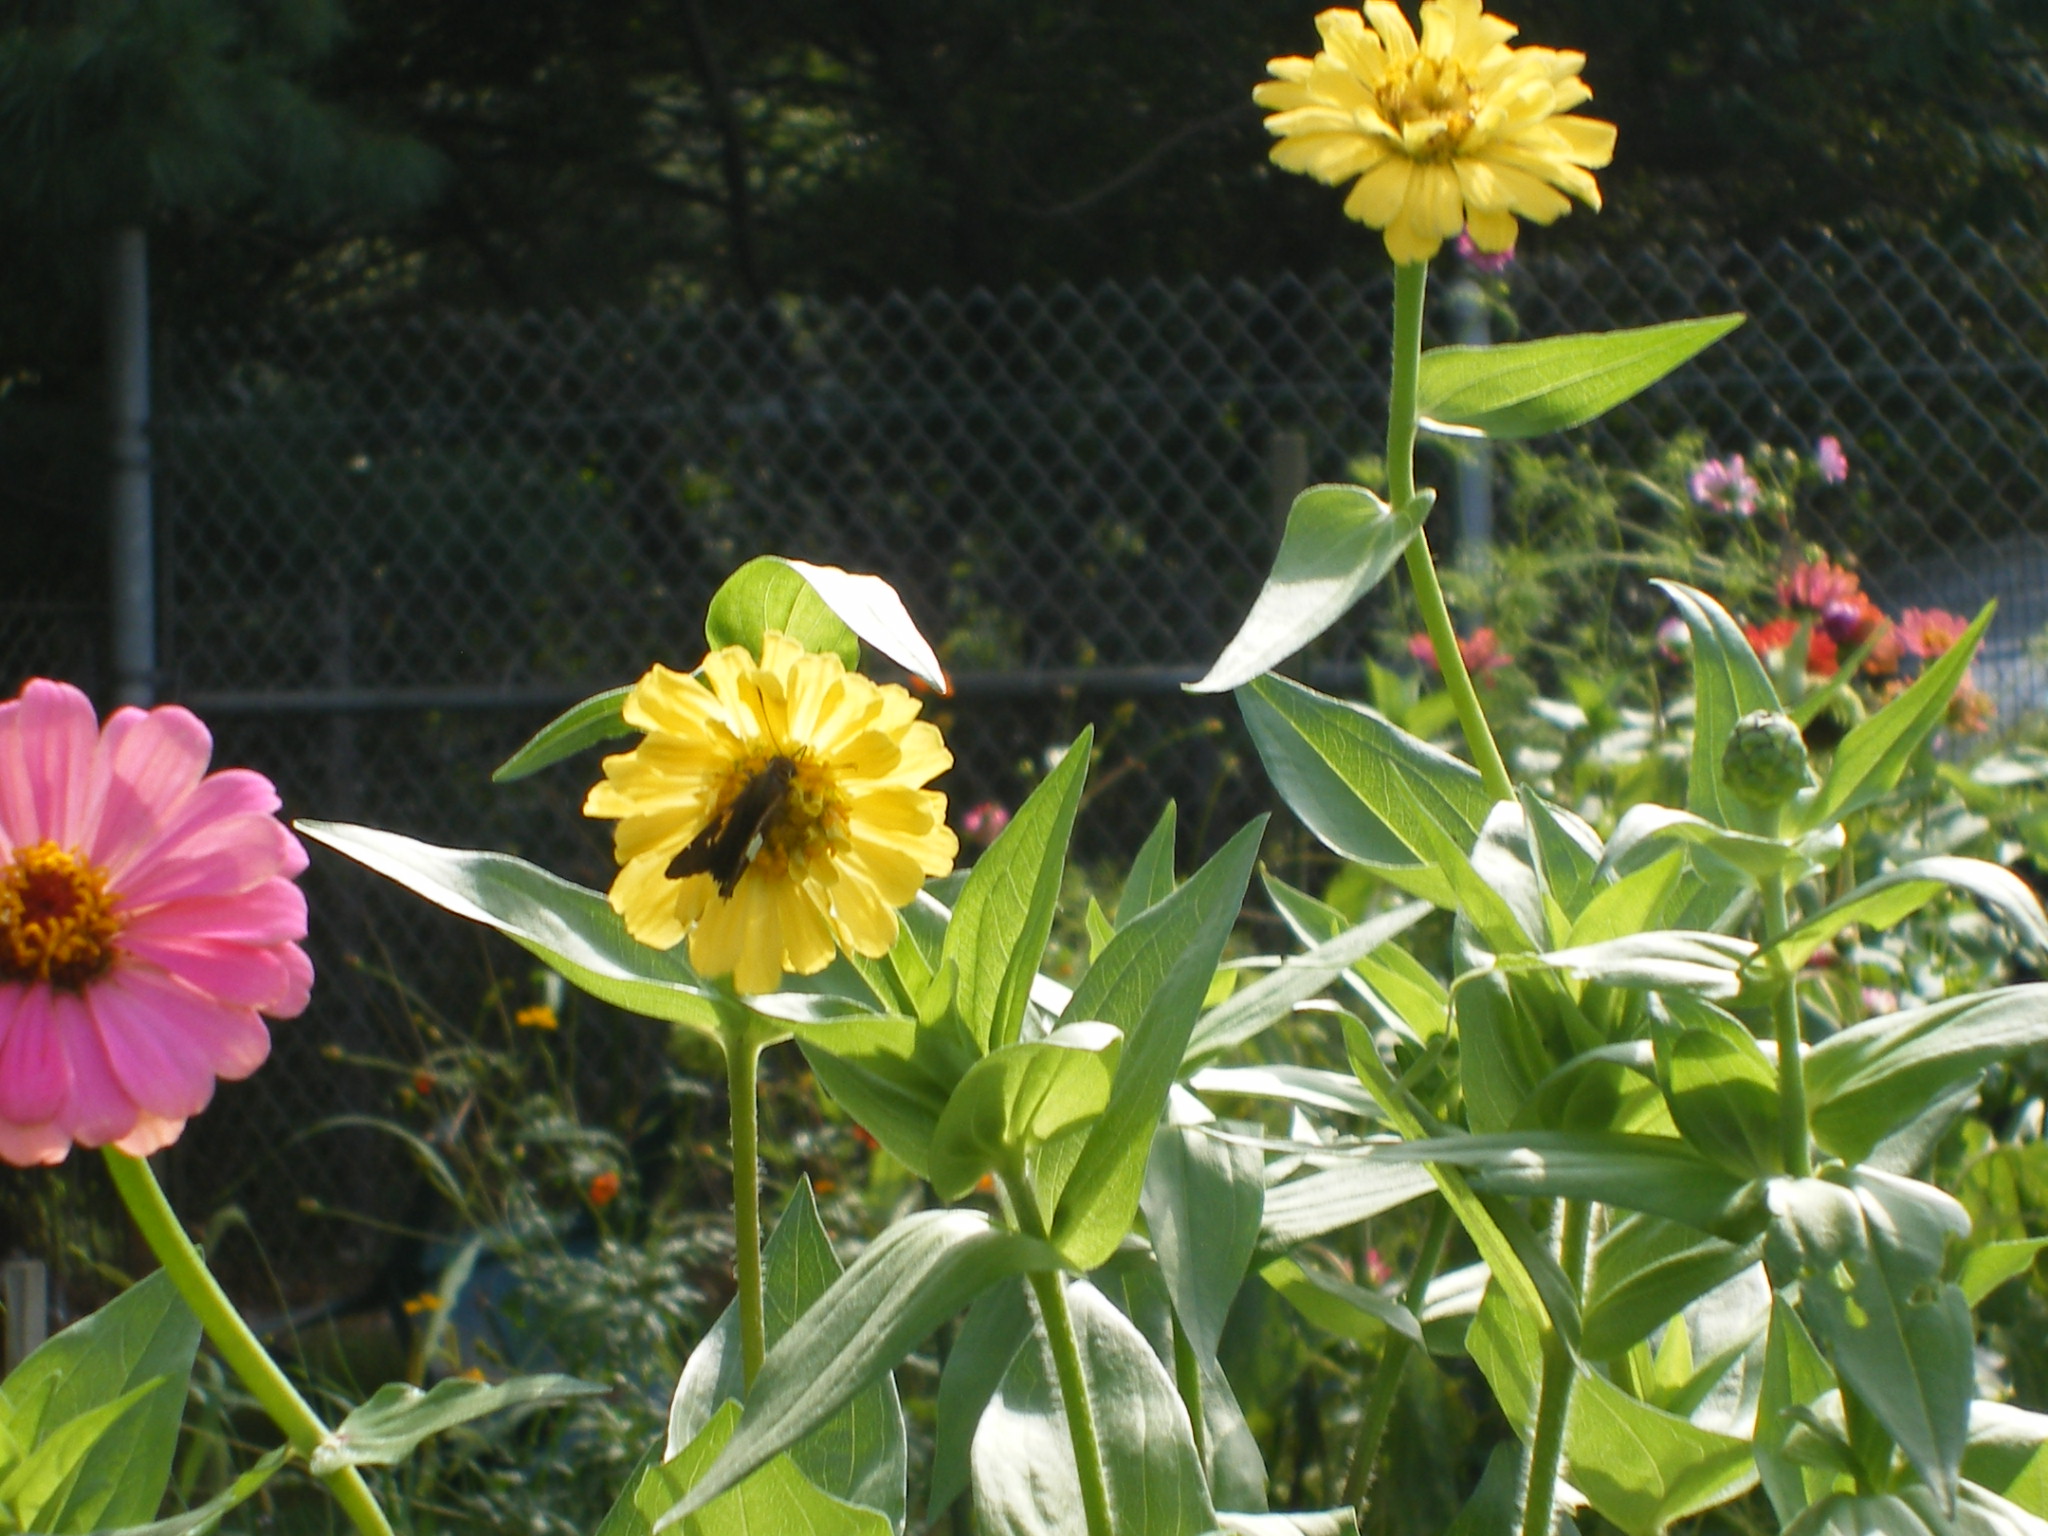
(1636, 1059)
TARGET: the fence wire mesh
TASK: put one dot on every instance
(390, 548)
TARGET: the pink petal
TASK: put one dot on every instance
(273, 913)
(148, 762)
(157, 1052)
(232, 854)
(35, 1078)
(237, 974)
(101, 1109)
(151, 1134)
(231, 792)
(299, 983)
(225, 1039)
(47, 741)
(31, 1146)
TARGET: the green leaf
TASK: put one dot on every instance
(890, 1075)
(1203, 1198)
(857, 1454)
(1567, 851)
(137, 1352)
(1024, 1473)
(1318, 1522)
(1728, 683)
(1670, 960)
(1656, 1174)
(1645, 829)
(1985, 1269)
(390, 1426)
(1641, 1467)
(1869, 760)
(1339, 1307)
(1795, 1376)
(1868, 1255)
(208, 1516)
(1867, 1081)
(1340, 542)
(918, 1273)
(768, 593)
(1150, 983)
(1645, 1272)
(1017, 1098)
(1367, 789)
(874, 611)
(596, 719)
(900, 978)
(1527, 388)
(1336, 1198)
(573, 930)
(2005, 1453)
(1004, 913)
(1892, 897)
(1849, 1514)
(1151, 878)
(996, 1327)
(777, 1497)
(1255, 1008)
(1310, 1087)
(1723, 1094)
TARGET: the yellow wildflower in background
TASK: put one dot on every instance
(539, 1016)
(776, 809)
(1455, 130)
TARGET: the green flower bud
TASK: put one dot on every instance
(1765, 761)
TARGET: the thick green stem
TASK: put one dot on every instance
(1411, 283)
(1051, 1291)
(742, 1071)
(1560, 1376)
(1386, 1381)
(237, 1344)
(1795, 1144)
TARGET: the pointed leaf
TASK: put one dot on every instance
(1526, 388)
(1203, 1198)
(390, 1426)
(1337, 1198)
(1151, 878)
(997, 1326)
(597, 719)
(1019, 1097)
(778, 1497)
(1647, 1271)
(1003, 916)
(208, 1516)
(1795, 1376)
(913, 1277)
(1340, 542)
(1150, 982)
(767, 593)
(873, 610)
(1728, 683)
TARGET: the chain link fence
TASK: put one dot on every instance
(392, 548)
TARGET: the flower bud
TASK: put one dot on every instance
(1764, 764)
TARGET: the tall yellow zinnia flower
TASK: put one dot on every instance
(775, 809)
(1451, 131)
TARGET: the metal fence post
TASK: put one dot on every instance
(1286, 472)
(25, 1288)
(133, 594)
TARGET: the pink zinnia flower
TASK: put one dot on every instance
(1928, 632)
(147, 917)
(1814, 586)
(984, 823)
(1832, 461)
(1490, 262)
(1726, 485)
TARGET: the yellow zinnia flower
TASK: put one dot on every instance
(1453, 131)
(775, 809)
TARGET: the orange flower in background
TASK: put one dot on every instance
(604, 1189)
(539, 1016)
(1775, 638)
(1480, 649)
(1971, 710)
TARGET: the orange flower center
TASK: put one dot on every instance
(57, 922)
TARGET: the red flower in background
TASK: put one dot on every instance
(1480, 649)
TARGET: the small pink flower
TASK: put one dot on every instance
(147, 917)
(1832, 461)
(1928, 632)
(1814, 586)
(1725, 485)
(984, 823)
(1880, 1000)
(1490, 262)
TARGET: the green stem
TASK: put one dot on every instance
(742, 1072)
(232, 1336)
(1560, 1375)
(1051, 1291)
(1411, 283)
(1379, 1408)
(1796, 1146)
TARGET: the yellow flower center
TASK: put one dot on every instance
(1434, 95)
(57, 922)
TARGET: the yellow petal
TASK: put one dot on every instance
(806, 936)
(1350, 46)
(1377, 198)
(864, 922)
(1395, 33)
(1491, 232)
(645, 898)
(1588, 140)
(1526, 194)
